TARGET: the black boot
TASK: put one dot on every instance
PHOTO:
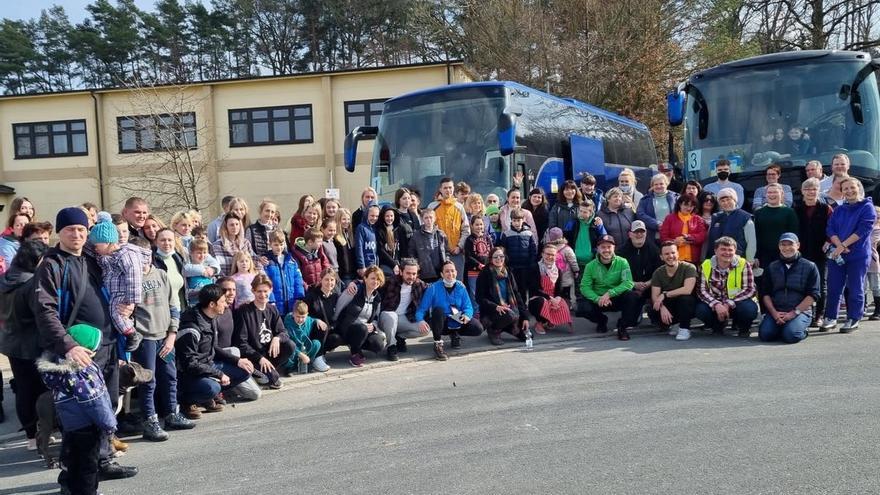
(876, 315)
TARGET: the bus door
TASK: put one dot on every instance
(588, 157)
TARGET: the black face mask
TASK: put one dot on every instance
(723, 175)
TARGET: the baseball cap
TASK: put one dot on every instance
(605, 239)
(637, 225)
(790, 237)
(664, 167)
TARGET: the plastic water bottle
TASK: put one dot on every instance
(301, 367)
(529, 342)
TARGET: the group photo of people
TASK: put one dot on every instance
(215, 310)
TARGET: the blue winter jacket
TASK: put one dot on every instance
(80, 395)
(287, 282)
(436, 296)
(645, 211)
(520, 247)
(854, 218)
(365, 253)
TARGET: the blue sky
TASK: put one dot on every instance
(76, 9)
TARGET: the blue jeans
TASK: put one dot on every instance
(160, 393)
(791, 332)
(202, 389)
(852, 276)
(742, 315)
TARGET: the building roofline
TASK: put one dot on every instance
(299, 75)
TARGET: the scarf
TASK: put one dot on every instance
(684, 250)
(551, 272)
(504, 294)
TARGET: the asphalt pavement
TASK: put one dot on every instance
(575, 415)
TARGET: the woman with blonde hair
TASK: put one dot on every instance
(258, 232)
(626, 181)
(344, 242)
(368, 195)
(230, 242)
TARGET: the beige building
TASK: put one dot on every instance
(276, 137)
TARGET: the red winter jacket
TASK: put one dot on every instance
(672, 227)
(310, 264)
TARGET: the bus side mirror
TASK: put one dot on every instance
(675, 101)
(351, 141)
(506, 133)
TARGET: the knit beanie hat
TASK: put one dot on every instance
(86, 336)
(492, 209)
(554, 234)
(104, 231)
(72, 215)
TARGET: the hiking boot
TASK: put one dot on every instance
(177, 421)
(118, 444)
(153, 431)
(455, 340)
(391, 352)
(495, 339)
(850, 326)
(113, 471)
(439, 353)
(213, 406)
(357, 360)
(320, 364)
(401, 344)
(219, 399)
(602, 326)
(192, 411)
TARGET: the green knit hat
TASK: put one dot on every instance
(86, 336)
(492, 210)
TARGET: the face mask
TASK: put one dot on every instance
(448, 283)
(164, 254)
(723, 175)
(626, 189)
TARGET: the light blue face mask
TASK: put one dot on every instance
(448, 283)
(626, 189)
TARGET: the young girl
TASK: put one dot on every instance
(494, 227)
(874, 267)
(182, 225)
(566, 261)
(344, 242)
(328, 231)
(311, 220)
(297, 221)
(195, 217)
(258, 232)
(392, 240)
(476, 253)
(230, 242)
(243, 273)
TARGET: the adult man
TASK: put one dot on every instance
(727, 290)
(813, 168)
(733, 222)
(772, 221)
(135, 212)
(607, 286)
(447, 305)
(656, 204)
(675, 184)
(722, 171)
(839, 171)
(403, 294)
(790, 287)
(68, 291)
(672, 289)
(214, 226)
(200, 378)
(591, 192)
(813, 214)
(772, 174)
(453, 221)
(249, 389)
(643, 258)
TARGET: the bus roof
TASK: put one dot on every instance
(820, 56)
(510, 84)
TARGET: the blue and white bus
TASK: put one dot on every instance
(483, 133)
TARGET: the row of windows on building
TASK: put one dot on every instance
(290, 124)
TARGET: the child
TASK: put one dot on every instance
(428, 245)
(392, 237)
(123, 274)
(344, 242)
(874, 267)
(82, 405)
(309, 253)
(243, 272)
(476, 252)
(182, 225)
(798, 142)
(121, 227)
(586, 233)
(494, 214)
(156, 319)
(201, 234)
(521, 248)
(202, 270)
(283, 271)
(365, 251)
(300, 327)
(566, 261)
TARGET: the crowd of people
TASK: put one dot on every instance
(221, 308)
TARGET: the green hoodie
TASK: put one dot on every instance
(583, 248)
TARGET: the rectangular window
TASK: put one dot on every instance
(362, 112)
(290, 124)
(144, 133)
(50, 139)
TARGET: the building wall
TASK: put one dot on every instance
(282, 172)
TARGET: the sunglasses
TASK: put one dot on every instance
(498, 257)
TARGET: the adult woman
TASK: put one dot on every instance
(849, 232)
(403, 203)
(344, 242)
(707, 205)
(813, 215)
(564, 213)
(22, 206)
(616, 217)
(656, 205)
(368, 195)
(772, 175)
(321, 300)
(10, 242)
(685, 228)
(498, 298)
(230, 242)
(356, 317)
(19, 337)
(537, 204)
(392, 240)
(152, 225)
(545, 291)
(258, 232)
(771, 221)
(514, 202)
(166, 257)
(261, 335)
(693, 188)
(626, 181)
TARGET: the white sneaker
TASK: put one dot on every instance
(828, 323)
(849, 326)
(673, 330)
(683, 334)
(320, 364)
(32, 444)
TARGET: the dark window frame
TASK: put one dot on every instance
(367, 114)
(32, 134)
(157, 126)
(270, 120)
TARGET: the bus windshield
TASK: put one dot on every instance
(430, 136)
(788, 113)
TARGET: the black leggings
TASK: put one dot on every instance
(320, 336)
(440, 326)
(358, 337)
(28, 387)
(79, 460)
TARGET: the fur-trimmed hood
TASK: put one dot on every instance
(67, 380)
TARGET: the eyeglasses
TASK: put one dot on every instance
(498, 257)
